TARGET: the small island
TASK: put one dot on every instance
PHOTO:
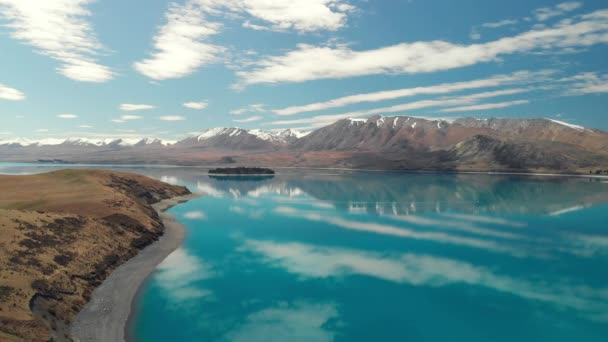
(241, 171)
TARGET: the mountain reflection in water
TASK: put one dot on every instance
(323, 255)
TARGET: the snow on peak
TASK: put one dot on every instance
(30, 142)
(355, 121)
(577, 127)
(149, 141)
(273, 136)
(264, 135)
(76, 141)
(88, 141)
(290, 133)
(300, 134)
(214, 132)
(278, 136)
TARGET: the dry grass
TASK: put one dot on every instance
(61, 234)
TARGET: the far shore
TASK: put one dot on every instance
(413, 171)
(106, 316)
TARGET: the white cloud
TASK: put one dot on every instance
(586, 83)
(179, 46)
(195, 215)
(323, 120)
(132, 107)
(196, 105)
(248, 24)
(124, 118)
(485, 106)
(7, 93)
(545, 13)
(249, 119)
(475, 35)
(67, 116)
(85, 126)
(172, 118)
(501, 23)
(130, 117)
(252, 108)
(58, 29)
(494, 81)
(340, 61)
(300, 15)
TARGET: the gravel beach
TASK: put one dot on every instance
(104, 318)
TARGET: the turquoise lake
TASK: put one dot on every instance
(324, 255)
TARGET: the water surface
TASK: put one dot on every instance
(354, 256)
(385, 257)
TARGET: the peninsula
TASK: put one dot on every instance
(61, 234)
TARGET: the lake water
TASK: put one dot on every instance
(355, 256)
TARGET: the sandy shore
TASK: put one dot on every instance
(104, 317)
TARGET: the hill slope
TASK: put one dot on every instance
(61, 234)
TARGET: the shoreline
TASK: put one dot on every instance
(421, 171)
(107, 314)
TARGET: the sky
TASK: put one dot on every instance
(167, 69)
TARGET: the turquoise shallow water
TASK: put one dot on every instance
(346, 256)
(385, 257)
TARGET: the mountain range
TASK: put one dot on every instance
(388, 143)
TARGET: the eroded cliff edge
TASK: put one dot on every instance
(61, 234)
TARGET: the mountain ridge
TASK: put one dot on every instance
(379, 142)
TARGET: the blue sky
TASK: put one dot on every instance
(118, 68)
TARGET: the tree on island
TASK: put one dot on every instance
(241, 171)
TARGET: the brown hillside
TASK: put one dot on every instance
(61, 234)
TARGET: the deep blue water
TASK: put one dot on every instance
(348, 256)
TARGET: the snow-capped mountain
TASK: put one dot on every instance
(285, 136)
(84, 142)
(392, 142)
(234, 138)
(212, 136)
(280, 136)
(400, 133)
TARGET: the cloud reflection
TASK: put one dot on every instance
(171, 180)
(179, 272)
(486, 219)
(254, 214)
(310, 261)
(464, 226)
(300, 321)
(195, 215)
(384, 229)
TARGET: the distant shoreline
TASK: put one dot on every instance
(107, 315)
(118, 166)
